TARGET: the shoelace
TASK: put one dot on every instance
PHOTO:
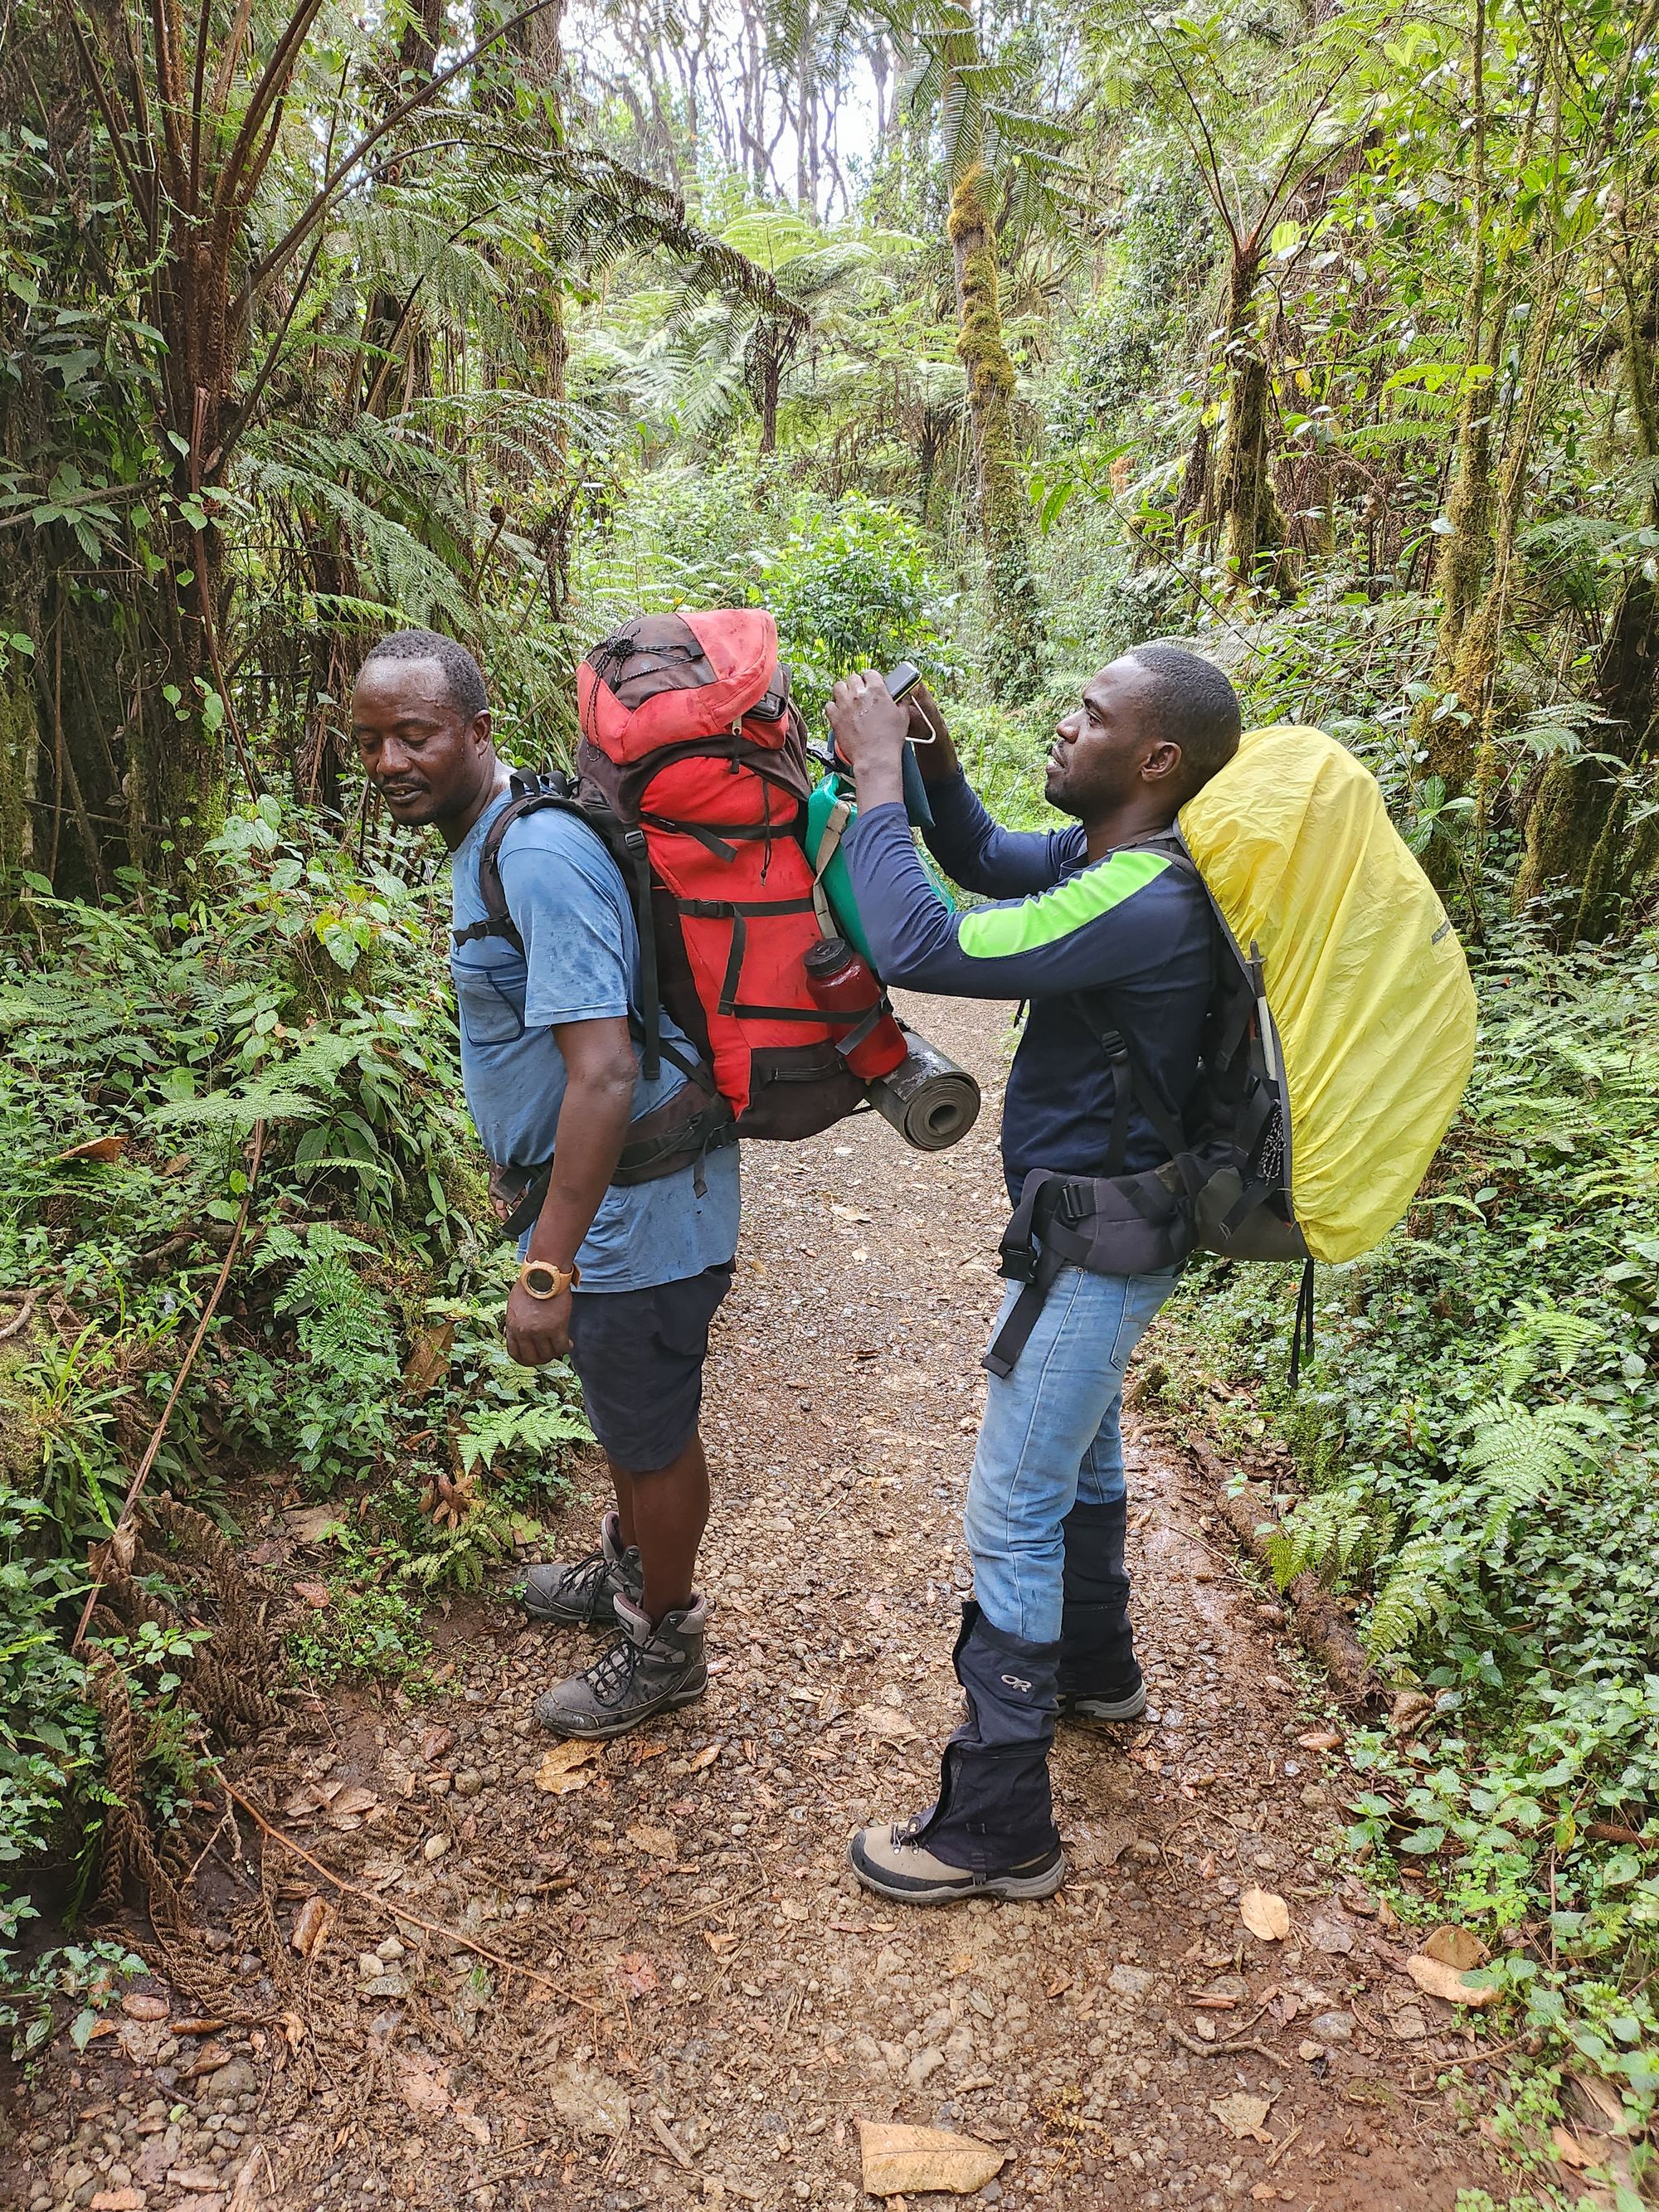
(612, 1675)
(582, 1579)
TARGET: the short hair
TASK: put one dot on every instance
(1194, 706)
(463, 677)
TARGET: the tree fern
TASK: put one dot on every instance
(1415, 1593)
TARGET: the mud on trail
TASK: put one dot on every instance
(639, 1975)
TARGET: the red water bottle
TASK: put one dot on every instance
(843, 985)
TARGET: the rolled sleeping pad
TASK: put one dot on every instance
(929, 1100)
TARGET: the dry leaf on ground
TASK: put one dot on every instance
(429, 1359)
(588, 2100)
(347, 1810)
(898, 2161)
(144, 2005)
(315, 1594)
(309, 1524)
(96, 1148)
(561, 1768)
(1439, 1980)
(1265, 1914)
(706, 1757)
(1457, 1947)
(637, 1972)
(1570, 2151)
(655, 1842)
(311, 1925)
(423, 2083)
(882, 1720)
(1243, 2115)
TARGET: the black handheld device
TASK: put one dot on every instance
(903, 680)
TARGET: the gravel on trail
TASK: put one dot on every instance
(639, 1974)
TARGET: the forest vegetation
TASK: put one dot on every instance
(1322, 336)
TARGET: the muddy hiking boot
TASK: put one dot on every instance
(647, 1670)
(1098, 1678)
(583, 1595)
(992, 1831)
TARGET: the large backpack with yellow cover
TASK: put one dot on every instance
(1337, 1044)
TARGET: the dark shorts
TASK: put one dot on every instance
(640, 1355)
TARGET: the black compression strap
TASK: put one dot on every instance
(728, 998)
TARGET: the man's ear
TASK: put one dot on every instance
(480, 731)
(1164, 763)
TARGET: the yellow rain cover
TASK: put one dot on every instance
(1366, 982)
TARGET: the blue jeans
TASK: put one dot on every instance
(1049, 1437)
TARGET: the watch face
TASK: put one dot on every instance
(539, 1277)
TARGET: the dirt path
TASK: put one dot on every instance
(719, 2003)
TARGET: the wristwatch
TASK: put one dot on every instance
(544, 1281)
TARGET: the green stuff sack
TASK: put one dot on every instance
(1371, 1010)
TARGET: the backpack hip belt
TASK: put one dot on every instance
(685, 1129)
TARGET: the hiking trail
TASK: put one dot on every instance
(718, 2003)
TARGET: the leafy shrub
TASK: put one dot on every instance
(851, 587)
(1474, 1458)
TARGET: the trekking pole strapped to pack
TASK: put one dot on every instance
(1337, 1044)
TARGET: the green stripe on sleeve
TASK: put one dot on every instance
(992, 933)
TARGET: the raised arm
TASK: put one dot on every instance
(973, 849)
(1103, 924)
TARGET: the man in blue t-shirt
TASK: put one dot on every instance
(1108, 932)
(623, 1279)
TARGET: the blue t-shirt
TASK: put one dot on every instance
(580, 964)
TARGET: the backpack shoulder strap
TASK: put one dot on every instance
(624, 842)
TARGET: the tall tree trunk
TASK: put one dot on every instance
(1577, 830)
(1249, 514)
(1015, 643)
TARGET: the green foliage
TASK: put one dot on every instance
(48, 1732)
(1473, 1458)
(852, 588)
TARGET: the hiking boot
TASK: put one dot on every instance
(992, 1831)
(1120, 1701)
(584, 1596)
(647, 1670)
(1098, 1678)
(896, 1863)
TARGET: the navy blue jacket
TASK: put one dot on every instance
(1132, 924)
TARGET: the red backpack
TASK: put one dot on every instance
(692, 768)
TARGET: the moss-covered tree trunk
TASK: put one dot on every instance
(1014, 643)
(1578, 831)
(1247, 510)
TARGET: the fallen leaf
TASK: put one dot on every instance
(144, 2004)
(1568, 2149)
(197, 2026)
(560, 1772)
(477, 2127)
(1265, 1915)
(422, 2082)
(1320, 1740)
(1457, 1947)
(1447, 1983)
(348, 1810)
(1243, 2115)
(315, 1594)
(436, 1740)
(309, 1524)
(897, 2159)
(294, 2029)
(657, 1843)
(883, 1721)
(117, 2200)
(718, 1943)
(588, 2100)
(637, 1970)
(311, 1925)
(104, 1148)
(208, 2060)
(429, 1359)
(706, 1757)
